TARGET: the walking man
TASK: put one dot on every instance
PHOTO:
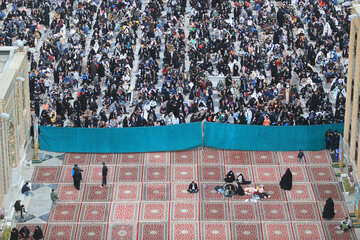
(77, 178)
(300, 156)
(73, 172)
(54, 197)
(104, 174)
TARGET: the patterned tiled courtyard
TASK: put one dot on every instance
(146, 197)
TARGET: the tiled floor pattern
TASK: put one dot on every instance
(146, 197)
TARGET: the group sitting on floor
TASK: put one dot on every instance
(24, 233)
(229, 189)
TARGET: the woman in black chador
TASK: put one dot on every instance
(230, 177)
(329, 211)
(286, 180)
(239, 189)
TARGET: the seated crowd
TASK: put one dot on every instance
(99, 64)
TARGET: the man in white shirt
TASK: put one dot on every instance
(345, 224)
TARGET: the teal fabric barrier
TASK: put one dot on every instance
(267, 138)
(121, 140)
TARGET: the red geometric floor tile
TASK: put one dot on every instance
(131, 158)
(184, 211)
(325, 190)
(156, 191)
(273, 211)
(244, 211)
(94, 212)
(108, 158)
(277, 231)
(183, 173)
(304, 211)
(340, 211)
(322, 174)
(156, 174)
(184, 231)
(237, 157)
(45, 174)
(248, 231)
(154, 211)
(77, 158)
(263, 158)
(308, 231)
(121, 212)
(91, 232)
(319, 157)
(94, 193)
(209, 193)
(68, 193)
(244, 170)
(266, 174)
(123, 231)
(214, 211)
(65, 212)
(126, 192)
(179, 192)
(60, 232)
(215, 231)
(66, 174)
(237, 198)
(332, 233)
(157, 157)
(184, 157)
(153, 231)
(300, 192)
(274, 190)
(290, 158)
(95, 174)
(298, 173)
(211, 157)
(128, 174)
(212, 173)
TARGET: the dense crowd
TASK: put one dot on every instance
(132, 63)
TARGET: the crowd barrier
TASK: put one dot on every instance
(121, 140)
(267, 138)
(185, 136)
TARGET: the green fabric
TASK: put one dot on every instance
(267, 138)
(121, 140)
(185, 136)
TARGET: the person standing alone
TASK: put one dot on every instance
(77, 178)
(54, 197)
(104, 174)
(300, 156)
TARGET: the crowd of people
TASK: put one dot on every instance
(147, 63)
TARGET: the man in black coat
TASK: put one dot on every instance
(77, 178)
(104, 174)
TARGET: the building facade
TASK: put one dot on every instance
(14, 114)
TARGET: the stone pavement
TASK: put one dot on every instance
(146, 196)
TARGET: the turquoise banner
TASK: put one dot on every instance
(267, 138)
(121, 140)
